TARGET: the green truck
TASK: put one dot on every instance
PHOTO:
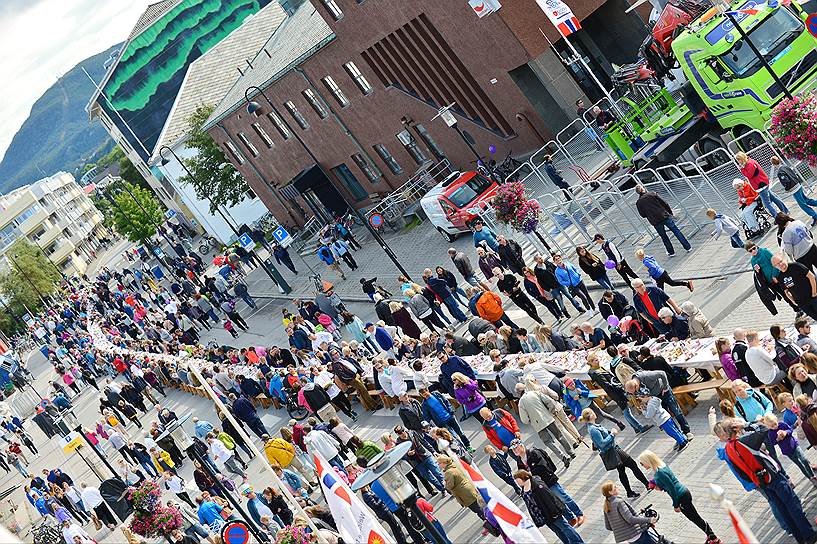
(727, 88)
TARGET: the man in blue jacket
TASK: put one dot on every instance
(484, 234)
(437, 409)
(440, 288)
(648, 301)
(245, 411)
(570, 278)
(450, 365)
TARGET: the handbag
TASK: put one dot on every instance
(611, 458)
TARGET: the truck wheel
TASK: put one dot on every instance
(448, 236)
(753, 140)
(714, 160)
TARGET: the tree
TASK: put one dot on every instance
(30, 275)
(136, 219)
(214, 178)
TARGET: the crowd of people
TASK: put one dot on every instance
(335, 360)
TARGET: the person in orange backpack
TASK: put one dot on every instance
(488, 306)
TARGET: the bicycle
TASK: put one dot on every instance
(650, 512)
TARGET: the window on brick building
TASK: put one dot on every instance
(388, 158)
(280, 125)
(369, 170)
(358, 77)
(234, 152)
(333, 9)
(315, 102)
(248, 144)
(336, 91)
(263, 135)
(293, 111)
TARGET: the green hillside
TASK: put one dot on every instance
(57, 134)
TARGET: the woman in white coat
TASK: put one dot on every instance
(538, 410)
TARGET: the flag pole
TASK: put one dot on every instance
(578, 58)
(744, 533)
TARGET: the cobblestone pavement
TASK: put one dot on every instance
(729, 301)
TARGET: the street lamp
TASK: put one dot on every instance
(267, 266)
(254, 108)
(451, 121)
(383, 468)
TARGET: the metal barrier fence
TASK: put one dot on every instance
(602, 206)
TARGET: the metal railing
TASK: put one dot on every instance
(393, 206)
(603, 206)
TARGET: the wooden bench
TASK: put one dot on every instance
(684, 393)
(511, 405)
(772, 391)
(263, 401)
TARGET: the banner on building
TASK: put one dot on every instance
(561, 16)
(484, 7)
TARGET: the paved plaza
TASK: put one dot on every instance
(727, 299)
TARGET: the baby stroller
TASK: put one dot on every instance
(764, 221)
(650, 512)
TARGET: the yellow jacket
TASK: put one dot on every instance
(165, 457)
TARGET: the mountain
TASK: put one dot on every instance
(58, 134)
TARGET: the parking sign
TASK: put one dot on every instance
(246, 242)
(282, 236)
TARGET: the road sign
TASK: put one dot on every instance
(246, 242)
(376, 220)
(811, 24)
(235, 532)
(170, 214)
(70, 442)
(282, 236)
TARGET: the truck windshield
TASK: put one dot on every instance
(770, 37)
(469, 191)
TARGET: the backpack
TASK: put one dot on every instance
(739, 408)
(786, 355)
(743, 457)
(788, 178)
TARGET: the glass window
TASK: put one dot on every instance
(248, 144)
(366, 167)
(293, 111)
(350, 181)
(280, 125)
(411, 146)
(315, 102)
(333, 9)
(28, 213)
(429, 141)
(388, 158)
(262, 134)
(469, 191)
(336, 92)
(772, 36)
(358, 77)
(234, 152)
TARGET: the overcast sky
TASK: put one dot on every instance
(41, 40)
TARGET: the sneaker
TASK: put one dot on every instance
(814, 221)
(689, 436)
(644, 429)
(566, 461)
(567, 315)
(688, 249)
(621, 426)
(633, 494)
(470, 450)
(691, 287)
(670, 255)
(589, 313)
(682, 445)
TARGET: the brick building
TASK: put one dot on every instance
(357, 82)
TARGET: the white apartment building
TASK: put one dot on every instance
(56, 215)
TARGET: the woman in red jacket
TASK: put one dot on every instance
(747, 198)
(760, 182)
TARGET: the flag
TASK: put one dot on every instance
(561, 16)
(356, 523)
(515, 524)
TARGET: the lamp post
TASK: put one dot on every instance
(451, 121)
(155, 224)
(383, 468)
(267, 266)
(253, 108)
